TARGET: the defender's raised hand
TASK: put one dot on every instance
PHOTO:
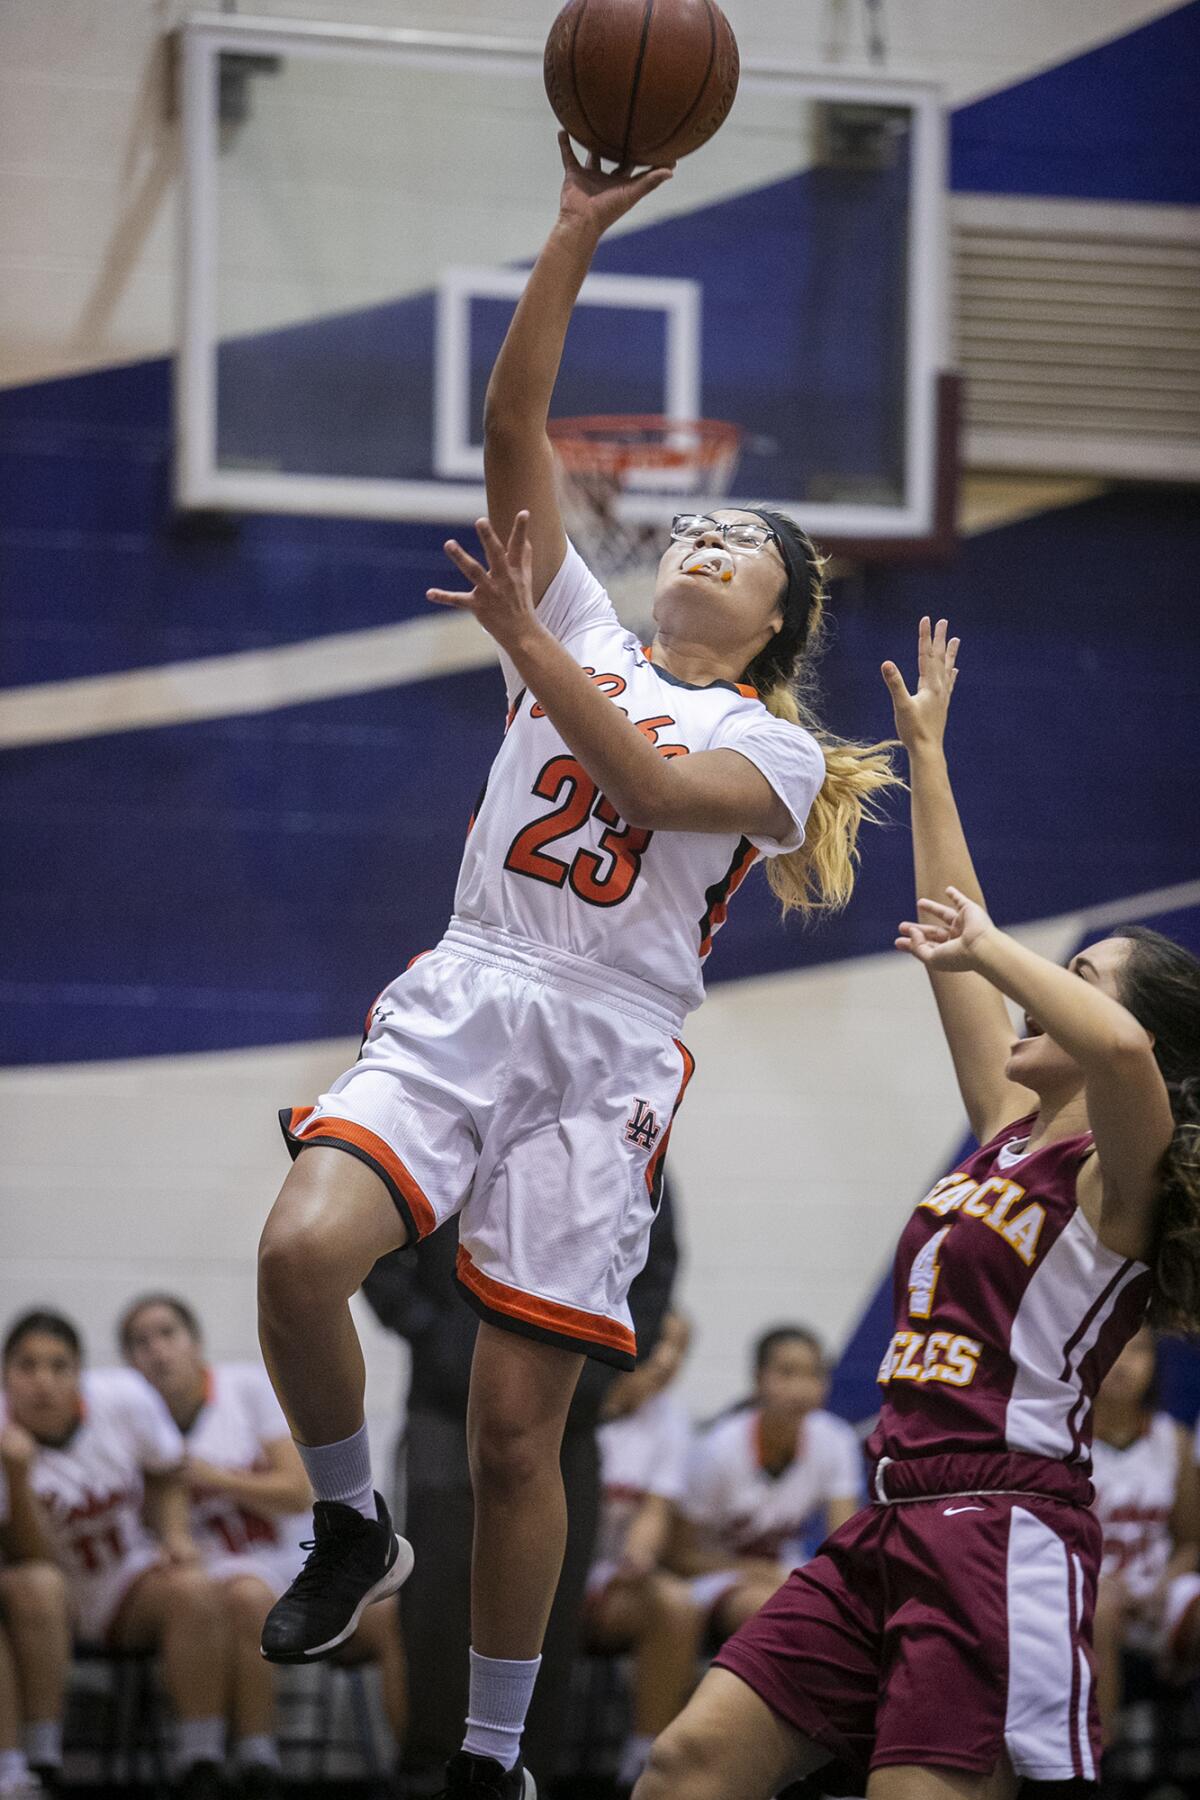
(599, 199)
(501, 595)
(921, 717)
(947, 937)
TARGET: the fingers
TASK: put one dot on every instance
(566, 148)
(653, 178)
(464, 561)
(895, 682)
(946, 914)
(518, 538)
(443, 597)
(957, 895)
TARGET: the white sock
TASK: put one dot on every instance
(14, 1771)
(499, 1699)
(634, 1757)
(199, 1740)
(342, 1472)
(259, 1751)
(43, 1743)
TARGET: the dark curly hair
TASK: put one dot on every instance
(1160, 984)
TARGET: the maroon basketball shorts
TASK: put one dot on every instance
(939, 1633)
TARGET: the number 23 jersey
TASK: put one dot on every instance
(547, 857)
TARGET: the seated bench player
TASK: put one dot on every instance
(249, 1499)
(1147, 1501)
(35, 1633)
(107, 1471)
(758, 1475)
(633, 1604)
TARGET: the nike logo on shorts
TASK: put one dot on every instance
(948, 1512)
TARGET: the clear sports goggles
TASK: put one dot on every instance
(735, 534)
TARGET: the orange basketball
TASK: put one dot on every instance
(641, 81)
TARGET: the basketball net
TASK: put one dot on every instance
(603, 459)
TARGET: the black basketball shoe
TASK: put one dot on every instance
(471, 1777)
(352, 1562)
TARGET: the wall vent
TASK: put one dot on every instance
(1077, 330)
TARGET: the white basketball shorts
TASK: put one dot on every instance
(532, 1093)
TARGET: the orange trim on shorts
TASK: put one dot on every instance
(689, 1069)
(347, 1131)
(548, 1315)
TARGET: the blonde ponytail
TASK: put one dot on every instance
(820, 875)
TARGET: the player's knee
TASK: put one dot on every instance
(300, 1253)
(671, 1599)
(508, 1451)
(247, 1604)
(35, 1594)
(193, 1604)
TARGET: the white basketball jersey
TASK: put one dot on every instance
(240, 1416)
(547, 857)
(1135, 1496)
(754, 1513)
(92, 1487)
(642, 1454)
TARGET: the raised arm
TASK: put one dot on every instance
(517, 458)
(973, 1014)
(1128, 1106)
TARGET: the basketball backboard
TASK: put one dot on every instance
(362, 207)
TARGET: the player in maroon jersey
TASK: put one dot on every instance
(938, 1646)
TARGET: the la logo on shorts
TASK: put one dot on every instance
(642, 1126)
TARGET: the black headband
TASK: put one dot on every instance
(803, 576)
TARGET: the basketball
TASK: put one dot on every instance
(641, 81)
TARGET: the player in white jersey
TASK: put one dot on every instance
(762, 1476)
(108, 1457)
(1148, 1504)
(248, 1488)
(634, 1604)
(35, 1630)
(524, 1074)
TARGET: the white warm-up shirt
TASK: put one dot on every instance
(643, 1453)
(754, 1513)
(550, 861)
(92, 1490)
(239, 1418)
(1135, 1497)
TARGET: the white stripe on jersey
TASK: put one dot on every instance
(545, 861)
(1066, 1304)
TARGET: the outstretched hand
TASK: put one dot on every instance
(921, 717)
(501, 595)
(948, 937)
(599, 199)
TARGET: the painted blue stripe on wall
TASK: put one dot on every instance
(312, 850)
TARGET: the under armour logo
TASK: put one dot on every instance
(642, 1126)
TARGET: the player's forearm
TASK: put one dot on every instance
(168, 1510)
(941, 857)
(266, 1491)
(620, 759)
(1087, 1023)
(26, 1537)
(522, 381)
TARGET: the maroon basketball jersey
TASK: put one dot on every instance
(1009, 1311)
